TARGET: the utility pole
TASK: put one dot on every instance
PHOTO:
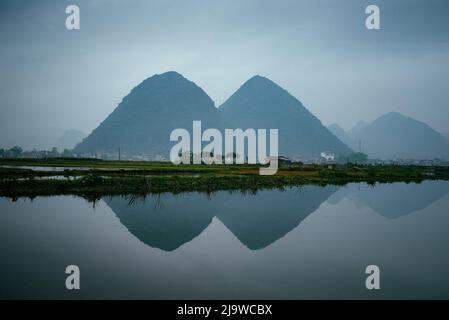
(119, 155)
(360, 146)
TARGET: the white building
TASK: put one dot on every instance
(328, 156)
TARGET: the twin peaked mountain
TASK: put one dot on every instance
(143, 121)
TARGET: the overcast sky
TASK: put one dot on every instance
(53, 79)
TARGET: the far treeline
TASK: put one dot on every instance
(18, 152)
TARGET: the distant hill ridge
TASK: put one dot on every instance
(144, 119)
(344, 137)
(396, 136)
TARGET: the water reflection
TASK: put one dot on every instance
(393, 200)
(313, 242)
(168, 221)
(258, 221)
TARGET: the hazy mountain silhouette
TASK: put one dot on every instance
(143, 121)
(69, 139)
(260, 103)
(341, 134)
(258, 221)
(446, 135)
(397, 199)
(394, 135)
(355, 131)
(166, 225)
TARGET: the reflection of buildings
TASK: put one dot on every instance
(257, 221)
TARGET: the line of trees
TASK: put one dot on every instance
(18, 152)
(13, 152)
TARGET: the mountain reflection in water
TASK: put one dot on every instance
(311, 242)
(168, 221)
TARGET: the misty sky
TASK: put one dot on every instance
(53, 79)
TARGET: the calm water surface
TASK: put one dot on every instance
(312, 242)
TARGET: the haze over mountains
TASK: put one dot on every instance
(143, 121)
(355, 131)
(261, 103)
(344, 137)
(446, 135)
(396, 136)
(69, 139)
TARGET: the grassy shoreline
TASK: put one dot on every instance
(96, 178)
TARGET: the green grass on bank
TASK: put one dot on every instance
(127, 177)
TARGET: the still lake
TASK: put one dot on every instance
(300, 243)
